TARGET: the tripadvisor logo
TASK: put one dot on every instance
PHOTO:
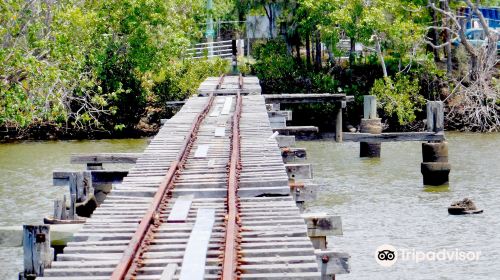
(386, 255)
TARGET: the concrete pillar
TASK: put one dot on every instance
(338, 122)
(435, 167)
(370, 124)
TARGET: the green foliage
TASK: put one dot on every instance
(98, 64)
(182, 78)
(279, 72)
(399, 97)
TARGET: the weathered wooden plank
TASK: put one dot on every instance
(180, 210)
(322, 224)
(286, 114)
(201, 151)
(305, 98)
(290, 154)
(193, 263)
(227, 105)
(169, 271)
(59, 209)
(220, 132)
(171, 104)
(60, 178)
(393, 137)
(105, 158)
(292, 130)
(304, 193)
(37, 252)
(285, 140)
(299, 170)
(331, 263)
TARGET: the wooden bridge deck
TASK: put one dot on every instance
(188, 237)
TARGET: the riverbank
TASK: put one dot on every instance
(55, 132)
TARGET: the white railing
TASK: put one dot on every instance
(223, 49)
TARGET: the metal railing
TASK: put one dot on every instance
(222, 49)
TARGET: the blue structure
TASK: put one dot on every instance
(491, 14)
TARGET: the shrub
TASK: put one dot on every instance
(399, 97)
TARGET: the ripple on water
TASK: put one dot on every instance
(382, 201)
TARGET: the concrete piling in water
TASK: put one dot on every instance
(370, 124)
(435, 167)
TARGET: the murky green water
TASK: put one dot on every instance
(383, 202)
(26, 191)
(380, 201)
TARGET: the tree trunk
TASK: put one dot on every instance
(308, 51)
(318, 63)
(270, 16)
(297, 47)
(434, 35)
(447, 38)
(352, 51)
(380, 55)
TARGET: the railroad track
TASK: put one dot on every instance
(208, 199)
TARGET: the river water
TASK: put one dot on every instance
(380, 201)
(26, 190)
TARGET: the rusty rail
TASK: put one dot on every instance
(233, 223)
(220, 81)
(132, 255)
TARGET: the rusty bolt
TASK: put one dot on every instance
(40, 238)
(325, 259)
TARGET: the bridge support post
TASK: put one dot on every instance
(37, 252)
(339, 121)
(435, 167)
(370, 124)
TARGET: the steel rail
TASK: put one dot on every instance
(233, 223)
(133, 251)
(220, 81)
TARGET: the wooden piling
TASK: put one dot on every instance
(370, 124)
(37, 252)
(72, 207)
(435, 167)
(338, 125)
(435, 116)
